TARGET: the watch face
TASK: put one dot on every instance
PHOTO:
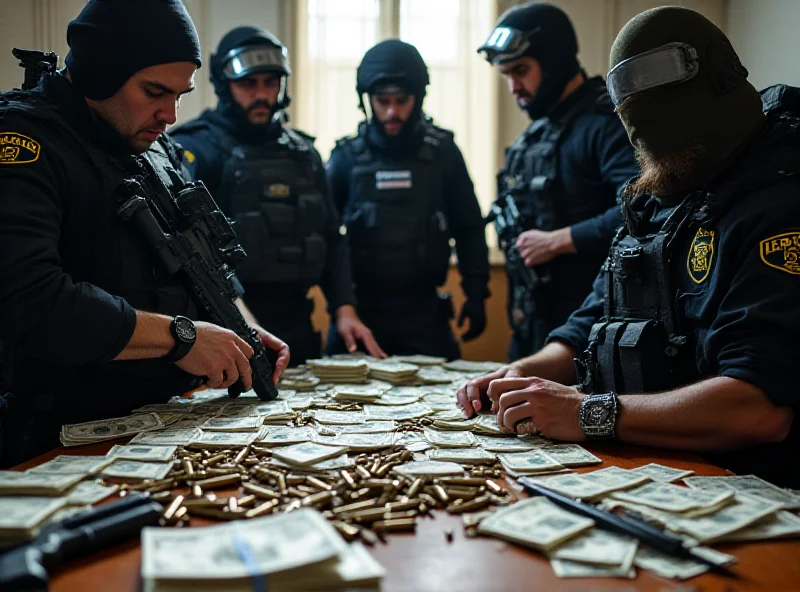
(185, 330)
(599, 413)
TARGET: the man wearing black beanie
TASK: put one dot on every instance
(564, 172)
(93, 325)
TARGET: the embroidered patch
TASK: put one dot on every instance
(189, 156)
(278, 190)
(701, 256)
(782, 251)
(393, 180)
(18, 149)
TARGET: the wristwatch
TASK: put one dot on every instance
(598, 415)
(185, 334)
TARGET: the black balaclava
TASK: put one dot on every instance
(717, 109)
(399, 64)
(232, 43)
(107, 47)
(552, 43)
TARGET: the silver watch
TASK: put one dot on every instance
(598, 415)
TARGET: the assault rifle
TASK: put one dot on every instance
(26, 567)
(36, 63)
(195, 239)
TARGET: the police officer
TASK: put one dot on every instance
(564, 172)
(94, 325)
(271, 181)
(405, 192)
(697, 303)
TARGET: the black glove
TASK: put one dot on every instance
(474, 310)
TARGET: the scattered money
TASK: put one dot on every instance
(598, 547)
(536, 523)
(149, 453)
(134, 470)
(574, 486)
(781, 525)
(511, 443)
(571, 455)
(672, 498)
(668, 566)
(69, 465)
(661, 473)
(614, 478)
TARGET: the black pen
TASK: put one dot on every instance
(639, 529)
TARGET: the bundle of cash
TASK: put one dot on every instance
(429, 468)
(283, 435)
(450, 439)
(298, 379)
(134, 470)
(108, 429)
(397, 413)
(420, 360)
(360, 392)
(358, 442)
(510, 443)
(438, 375)
(394, 372)
(233, 424)
(22, 516)
(672, 498)
(167, 437)
(89, 492)
(327, 416)
(536, 523)
(48, 484)
(470, 366)
(528, 463)
(570, 455)
(70, 465)
(595, 553)
(307, 453)
(368, 427)
(273, 411)
(145, 453)
(464, 456)
(298, 551)
(221, 440)
(340, 371)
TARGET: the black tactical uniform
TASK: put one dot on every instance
(401, 207)
(566, 170)
(271, 182)
(707, 288)
(72, 273)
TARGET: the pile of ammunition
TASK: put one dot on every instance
(363, 502)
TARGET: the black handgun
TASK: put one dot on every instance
(27, 567)
(36, 63)
(196, 239)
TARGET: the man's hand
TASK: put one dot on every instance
(540, 246)
(472, 396)
(220, 355)
(276, 345)
(552, 408)
(474, 310)
(352, 330)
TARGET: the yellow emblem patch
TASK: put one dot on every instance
(189, 156)
(701, 255)
(279, 190)
(782, 251)
(18, 149)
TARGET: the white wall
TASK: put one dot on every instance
(765, 35)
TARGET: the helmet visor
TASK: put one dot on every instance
(505, 44)
(249, 60)
(674, 63)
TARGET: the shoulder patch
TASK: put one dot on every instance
(782, 251)
(701, 255)
(189, 156)
(18, 149)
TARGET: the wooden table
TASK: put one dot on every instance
(426, 561)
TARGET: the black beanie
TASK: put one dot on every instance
(111, 40)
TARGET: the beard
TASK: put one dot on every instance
(666, 175)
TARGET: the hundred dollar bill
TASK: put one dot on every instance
(398, 413)
(338, 417)
(506, 443)
(528, 462)
(108, 429)
(233, 424)
(749, 484)
(357, 442)
(672, 498)
(307, 453)
(614, 478)
(574, 486)
(168, 437)
(598, 547)
(570, 455)
(450, 439)
(282, 435)
(662, 473)
(467, 456)
(536, 523)
(89, 492)
(573, 569)
(226, 439)
(429, 468)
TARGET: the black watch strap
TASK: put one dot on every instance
(185, 334)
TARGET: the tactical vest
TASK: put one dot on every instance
(277, 208)
(530, 173)
(644, 343)
(395, 215)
